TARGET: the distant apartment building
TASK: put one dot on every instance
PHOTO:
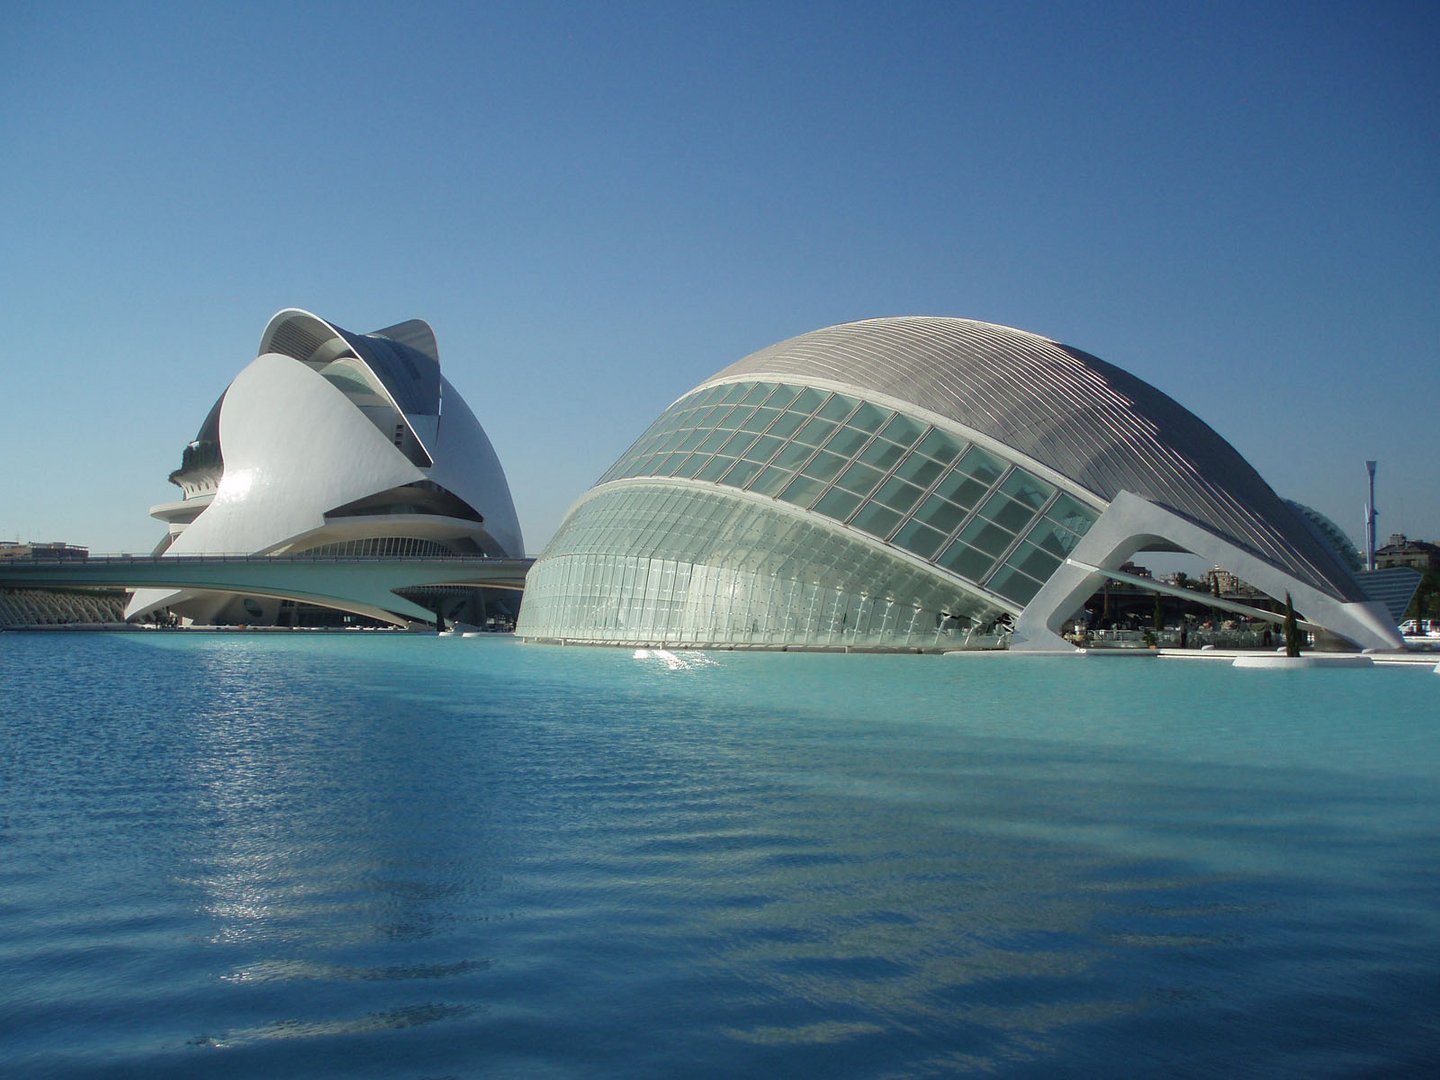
(55, 607)
(12, 549)
(1402, 551)
(1222, 582)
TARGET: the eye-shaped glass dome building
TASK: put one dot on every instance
(915, 483)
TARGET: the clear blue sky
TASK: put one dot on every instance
(597, 206)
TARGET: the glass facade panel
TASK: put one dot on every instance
(692, 439)
(714, 468)
(1027, 489)
(837, 504)
(793, 456)
(902, 430)
(770, 480)
(746, 417)
(1013, 585)
(939, 446)
(736, 444)
(691, 465)
(802, 491)
(919, 539)
(1033, 561)
(861, 479)
(961, 490)
(838, 407)
(824, 466)
(787, 424)
(808, 400)
(797, 581)
(966, 561)
(760, 419)
(815, 432)
(729, 419)
(705, 417)
(1007, 512)
(981, 465)
(898, 495)
(783, 396)
(985, 536)
(939, 514)
(846, 441)
(1071, 514)
(870, 418)
(740, 473)
(757, 393)
(1052, 538)
(713, 442)
(881, 454)
(877, 520)
(920, 470)
(763, 448)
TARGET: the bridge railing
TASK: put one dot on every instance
(240, 556)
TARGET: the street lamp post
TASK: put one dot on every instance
(1370, 515)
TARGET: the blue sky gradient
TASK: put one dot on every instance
(597, 206)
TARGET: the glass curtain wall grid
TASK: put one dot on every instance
(892, 476)
(705, 569)
(652, 561)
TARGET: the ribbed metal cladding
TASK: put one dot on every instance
(1088, 420)
(410, 373)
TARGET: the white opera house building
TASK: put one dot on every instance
(335, 443)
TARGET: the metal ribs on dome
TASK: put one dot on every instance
(407, 364)
(1075, 414)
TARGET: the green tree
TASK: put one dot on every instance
(1425, 604)
(1292, 629)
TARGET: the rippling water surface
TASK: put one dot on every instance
(382, 855)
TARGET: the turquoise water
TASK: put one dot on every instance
(380, 855)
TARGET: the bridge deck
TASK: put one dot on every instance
(366, 584)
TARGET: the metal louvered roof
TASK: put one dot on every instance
(1088, 420)
(407, 364)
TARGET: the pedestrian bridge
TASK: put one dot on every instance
(362, 584)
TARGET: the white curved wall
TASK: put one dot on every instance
(294, 447)
(466, 464)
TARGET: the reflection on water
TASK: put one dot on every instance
(402, 856)
(408, 1017)
(674, 661)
